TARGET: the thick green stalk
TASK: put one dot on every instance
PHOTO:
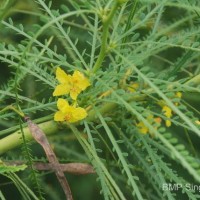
(50, 127)
(15, 139)
(106, 20)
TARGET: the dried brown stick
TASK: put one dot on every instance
(71, 168)
(40, 137)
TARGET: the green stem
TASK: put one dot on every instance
(5, 10)
(10, 107)
(15, 139)
(50, 127)
(194, 81)
(130, 18)
(106, 23)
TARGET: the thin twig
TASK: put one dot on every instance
(71, 168)
(40, 137)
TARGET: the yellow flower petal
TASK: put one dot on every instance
(75, 114)
(62, 76)
(168, 123)
(62, 105)
(178, 94)
(84, 84)
(79, 113)
(80, 80)
(132, 87)
(158, 120)
(142, 128)
(74, 92)
(59, 116)
(61, 90)
(167, 111)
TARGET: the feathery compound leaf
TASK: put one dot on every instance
(6, 168)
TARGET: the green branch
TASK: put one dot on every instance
(106, 20)
(15, 139)
(50, 127)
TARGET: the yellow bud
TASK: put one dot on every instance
(168, 123)
(179, 94)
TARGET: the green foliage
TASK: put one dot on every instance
(6, 169)
(116, 44)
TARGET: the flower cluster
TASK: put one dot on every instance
(72, 85)
(133, 87)
(167, 111)
(154, 121)
(197, 122)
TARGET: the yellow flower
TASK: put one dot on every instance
(133, 87)
(72, 85)
(78, 83)
(168, 113)
(168, 123)
(69, 113)
(142, 128)
(158, 120)
(178, 94)
(150, 118)
(197, 122)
